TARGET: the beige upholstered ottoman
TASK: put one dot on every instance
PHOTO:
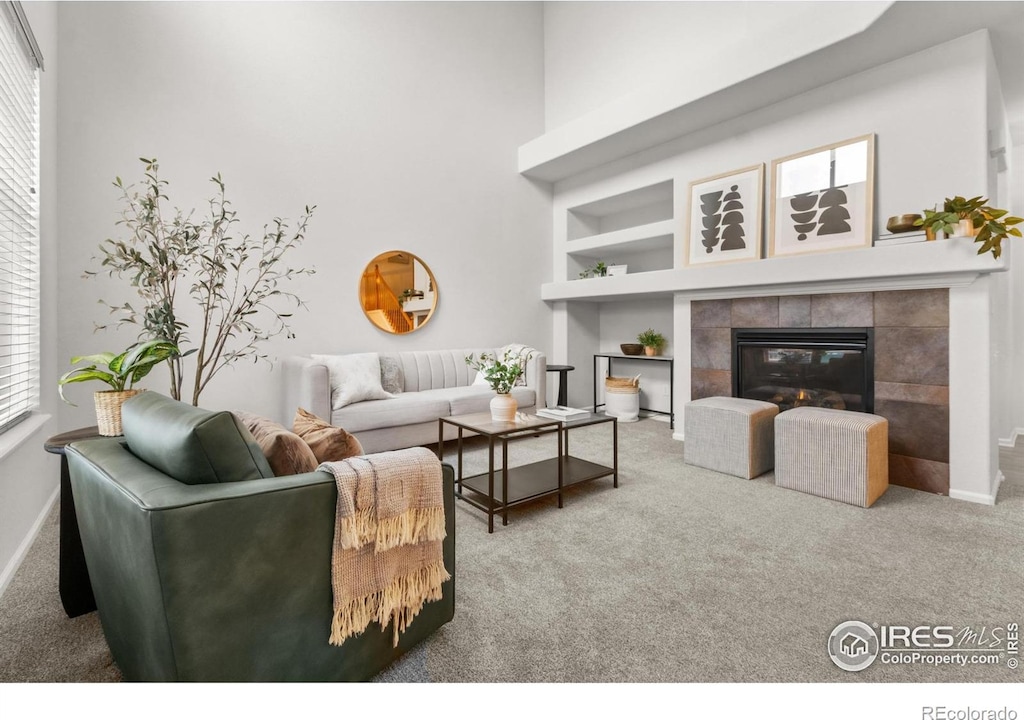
(730, 435)
(835, 454)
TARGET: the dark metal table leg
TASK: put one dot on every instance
(561, 466)
(615, 452)
(490, 484)
(74, 584)
(504, 481)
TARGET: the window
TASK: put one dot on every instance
(20, 64)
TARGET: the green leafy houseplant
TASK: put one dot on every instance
(236, 280)
(991, 225)
(650, 338)
(121, 371)
(598, 269)
(501, 374)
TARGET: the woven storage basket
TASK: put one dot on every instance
(622, 385)
(108, 410)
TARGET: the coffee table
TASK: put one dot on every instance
(523, 483)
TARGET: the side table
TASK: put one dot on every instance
(562, 370)
(75, 586)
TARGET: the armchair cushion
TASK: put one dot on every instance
(287, 453)
(192, 445)
(327, 442)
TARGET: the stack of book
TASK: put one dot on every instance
(561, 412)
(890, 239)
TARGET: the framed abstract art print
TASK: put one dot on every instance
(821, 199)
(724, 221)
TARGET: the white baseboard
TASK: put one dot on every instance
(980, 498)
(26, 543)
(678, 435)
(1012, 440)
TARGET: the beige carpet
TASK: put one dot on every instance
(679, 575)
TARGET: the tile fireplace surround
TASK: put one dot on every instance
(911, 363)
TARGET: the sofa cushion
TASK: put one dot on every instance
(392, 378)
(354, 378)
(474, 399)
(327, 442)
(287, 453)
(192, 445)
(409, 408)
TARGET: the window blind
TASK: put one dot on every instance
(19, 217)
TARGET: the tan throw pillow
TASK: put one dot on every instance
(287, 453)
(328, 443)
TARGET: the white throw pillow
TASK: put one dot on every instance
(354, 378)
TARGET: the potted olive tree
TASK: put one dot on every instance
(237, 281)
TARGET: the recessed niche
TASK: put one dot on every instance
(643, 206)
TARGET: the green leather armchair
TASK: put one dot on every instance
(222, 581)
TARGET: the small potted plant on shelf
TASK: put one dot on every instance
(651, 340)
(121, 373)
(963, 217)
(598, 269)
(501, 375)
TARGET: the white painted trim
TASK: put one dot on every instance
(1012, 440)
(20, 433)
(980, 498)
(26, 543)
(678, 435)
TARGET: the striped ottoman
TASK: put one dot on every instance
(835, 454)
(730, 435)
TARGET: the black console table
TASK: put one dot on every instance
(645, 358)
(73, 579)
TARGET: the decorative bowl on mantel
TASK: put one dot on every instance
(631, 348)
(902, 223)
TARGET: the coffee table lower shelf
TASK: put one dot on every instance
(529, 482)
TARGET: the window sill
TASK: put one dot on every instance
(17, 435)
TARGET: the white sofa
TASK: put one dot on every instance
(437, 383)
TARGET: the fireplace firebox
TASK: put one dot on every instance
(820, 367)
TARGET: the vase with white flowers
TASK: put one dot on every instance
(501, 374)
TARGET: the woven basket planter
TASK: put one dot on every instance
(622, 384)
(108, 410)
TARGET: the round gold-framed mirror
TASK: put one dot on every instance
(397, 292)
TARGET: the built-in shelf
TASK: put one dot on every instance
(643, 238)
(942, 263)
(634, 208)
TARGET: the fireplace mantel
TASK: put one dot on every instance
(939, 264)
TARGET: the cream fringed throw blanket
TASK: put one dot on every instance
(387, 559)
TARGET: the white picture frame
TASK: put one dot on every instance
(724, 220)
(822, 200)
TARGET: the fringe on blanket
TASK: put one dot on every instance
(400, 602)
(414, 526)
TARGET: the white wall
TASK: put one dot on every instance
(620, 323)
(29, 476)
(400, 121)
(597, 52)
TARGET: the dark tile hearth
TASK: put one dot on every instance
(760, 312)
(911, 363)
(916, 430)
(711, 348)
(795, 311)
(912, 355)
(842, 310)
(912, 308)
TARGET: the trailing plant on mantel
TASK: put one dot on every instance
(236, 280)
(990, 225)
